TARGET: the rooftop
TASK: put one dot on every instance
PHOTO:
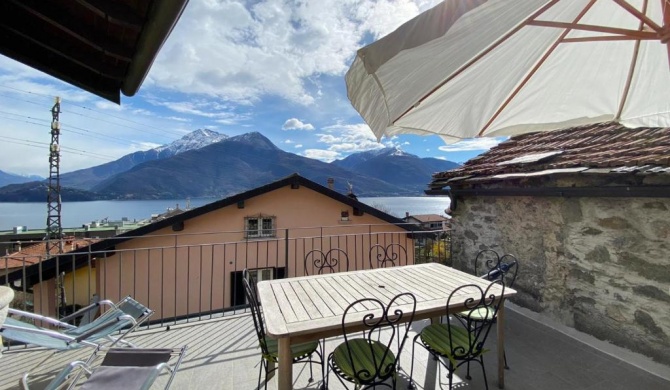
(597, 148)
(223, 353)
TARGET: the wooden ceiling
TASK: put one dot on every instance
(103, 46)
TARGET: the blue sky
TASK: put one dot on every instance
(272, 66)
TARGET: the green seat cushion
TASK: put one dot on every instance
(480, 314)
(436, 338)
(298, 351)
(366, 354)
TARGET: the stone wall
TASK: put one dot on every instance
(600, 265)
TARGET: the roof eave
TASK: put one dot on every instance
(162, 19)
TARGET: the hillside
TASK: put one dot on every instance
(86, 179)
(7, 178)
(36, 191)
(392, 165)
(231, 166)
(210, 164)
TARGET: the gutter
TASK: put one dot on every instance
(162, 18)
(563, 192)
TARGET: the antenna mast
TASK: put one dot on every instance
(54, 232)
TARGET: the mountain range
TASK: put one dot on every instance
(208, 164)
(86, 179)
(7, 178)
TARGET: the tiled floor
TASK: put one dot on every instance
(223, 354)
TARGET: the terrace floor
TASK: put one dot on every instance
(223, 354)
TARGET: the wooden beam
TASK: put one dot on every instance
(115, 12)
(28, 52)
(95, 63)
(59, 18)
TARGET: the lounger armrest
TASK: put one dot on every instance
(84, 310)
(63, 376)
(46, 332)
(39, 317)
(84, 336)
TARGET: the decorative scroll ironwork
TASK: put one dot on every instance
(364, 358)
(497, 267)
(331, 261)
(386, 256)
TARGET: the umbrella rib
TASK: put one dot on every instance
(535, 68)
(609, 38)
(665, 36)
(640, 15)
(479, 56)
(631, 68)
(590, 27)
(637, 34)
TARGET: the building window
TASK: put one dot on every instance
(259, 227)
(261, 274)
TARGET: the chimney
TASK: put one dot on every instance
(331, 183)
(406, 214)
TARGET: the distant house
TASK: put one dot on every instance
(192, 262)
(28, 256)
(428, 221)
(587, 211)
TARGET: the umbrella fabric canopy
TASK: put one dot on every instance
(472, 68)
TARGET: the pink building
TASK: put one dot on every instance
(191, 263)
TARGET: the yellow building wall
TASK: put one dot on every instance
(79, 286)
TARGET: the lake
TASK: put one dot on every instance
(75, 214)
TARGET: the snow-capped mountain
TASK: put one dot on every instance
(85, 179)
(193, 140)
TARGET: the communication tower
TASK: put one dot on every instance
(54, 232)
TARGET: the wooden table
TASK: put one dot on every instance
(311, 307)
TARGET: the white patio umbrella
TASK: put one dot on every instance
(472, 68)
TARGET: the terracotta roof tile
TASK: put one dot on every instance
(34, 252)
(602, 145)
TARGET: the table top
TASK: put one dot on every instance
(313, 305)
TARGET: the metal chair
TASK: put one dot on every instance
(386, 256)
(331, 261)
(496, 267)
(128, 368)
(301, 353)
(459, 341)
(505, 269)
(367, 361)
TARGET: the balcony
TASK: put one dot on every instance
(200, 305)
(223, 354)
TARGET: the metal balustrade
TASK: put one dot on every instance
(189, 277)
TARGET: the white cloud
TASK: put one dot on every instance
(288, 141)
(107, 105)
(178, 119)
(296, 124)
(472, 144)
(320, 154)
(241, 51)
(349, 138)
(298, 146)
